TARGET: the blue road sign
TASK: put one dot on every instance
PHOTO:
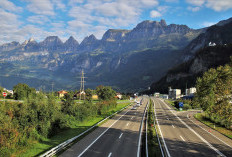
(181, 104)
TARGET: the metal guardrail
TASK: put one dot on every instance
(61, 146)
(146, 134)
(140, 130)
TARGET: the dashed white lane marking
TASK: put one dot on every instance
(121, 135)
(165, 146)
(127, 124)
(132, 117)
(173, 126)
(182, 138)
(102, 134)
(110, 154)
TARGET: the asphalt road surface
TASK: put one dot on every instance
(117, 137)
(184, 136)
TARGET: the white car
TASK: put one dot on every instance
(138, 104)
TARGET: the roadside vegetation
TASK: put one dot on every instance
(40, 122)
(216, 126)
(214, 95)
(153, 144)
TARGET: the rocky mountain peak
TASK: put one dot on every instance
(114, 34)
(89, 39)
(71, 44)
(163, 23)
(72, 40)
(31, 40)
(52, 39)
(52, 43)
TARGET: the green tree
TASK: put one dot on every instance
(105, 92)
(214, 94)
(88, 94)
(22, 91)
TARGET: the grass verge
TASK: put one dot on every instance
(37, 148)
(153, 144)
(201, 117)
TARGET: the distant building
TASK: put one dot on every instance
(61, 93)
(164, 96)
(95, 97)
(190, 91)
(156, 95)
(212, 44)
(174, 93)
(119, 95)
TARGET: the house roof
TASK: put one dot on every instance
(62, 92)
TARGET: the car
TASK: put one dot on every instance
(134, 108)
(138, 104)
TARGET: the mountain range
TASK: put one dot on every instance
(128, 60)
(210, 49)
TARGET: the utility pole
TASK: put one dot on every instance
(52, 87)
(82, 88)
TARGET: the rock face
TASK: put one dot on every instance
(71, 44)
(220, 34)
(51, 43)
(9, 46)
(210, 49)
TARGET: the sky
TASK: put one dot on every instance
(23, 19)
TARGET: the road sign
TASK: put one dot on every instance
(181, 104)
(4, 94)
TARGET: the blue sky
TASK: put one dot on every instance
(22, 19)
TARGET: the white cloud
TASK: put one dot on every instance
(154, 14)
(219, 5)
(196, 2)
(59, 4)
(207, 24)
(194, 9)
(38, 19)
(172, 1)
(216, 5)
(163, 9)
(42, 7)
(7, 5)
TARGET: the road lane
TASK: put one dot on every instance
(109, 144)
(181, 140)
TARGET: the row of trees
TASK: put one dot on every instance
(42, 115)
(214, 94)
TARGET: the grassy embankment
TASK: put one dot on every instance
(153, 144)
(202, 118)
(38, 148)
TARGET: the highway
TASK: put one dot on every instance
(182, 135)
(117, 137)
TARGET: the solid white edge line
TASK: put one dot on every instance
(182, 138)
(121, 135)
(140, 132)
(102, 134)
(209, 132)
(110, 154)
(212, 147)
(165, 146)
